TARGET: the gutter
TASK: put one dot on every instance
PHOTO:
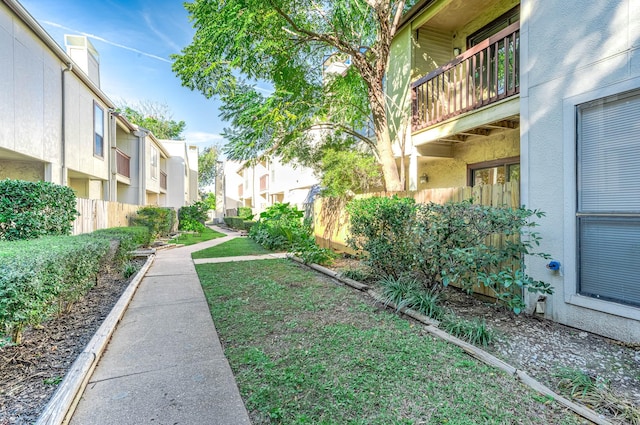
(63, 119)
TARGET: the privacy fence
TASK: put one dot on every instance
(97, 214)
(331, 221)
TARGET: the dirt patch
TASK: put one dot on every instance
(31, 371)
(543, 348)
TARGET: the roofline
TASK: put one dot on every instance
(412, 13)
(30, 21)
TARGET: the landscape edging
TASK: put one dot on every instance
(61, 405)
(485, 357)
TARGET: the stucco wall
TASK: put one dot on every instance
(571, 53)
(21, 170)
(452, 172)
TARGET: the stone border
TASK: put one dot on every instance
(62, 404)
(489, 359)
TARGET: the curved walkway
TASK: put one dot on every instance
(164, 363)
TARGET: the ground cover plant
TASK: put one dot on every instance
(233, 248)
(194, 238)
(305, 350)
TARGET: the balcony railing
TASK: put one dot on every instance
(240, 191)
(484, 74)
(122, 163)
(163, 180)
(264, 183)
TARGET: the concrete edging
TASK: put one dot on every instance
(485, 357)
(62, 404)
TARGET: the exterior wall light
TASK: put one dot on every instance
(424, 178)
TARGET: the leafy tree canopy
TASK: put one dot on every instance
(287, 43)
(155, 117)
(208, 166)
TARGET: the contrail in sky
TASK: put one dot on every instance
(95, 37)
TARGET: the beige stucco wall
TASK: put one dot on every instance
(21, 170)
(452, 172)
(571, 53)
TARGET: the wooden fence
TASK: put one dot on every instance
(97, 214)
(331, 221)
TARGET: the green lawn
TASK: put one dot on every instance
(306, 351)
(233, 248)
(193, 238)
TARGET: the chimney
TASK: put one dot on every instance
(85, 55)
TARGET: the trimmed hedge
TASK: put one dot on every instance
(245, 213)
(46, 276)
(239, 223)
(30, 210)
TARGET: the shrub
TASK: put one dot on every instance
(46, 276)
(383, 228)
(451, 243)
(158, 220)
(30, 210)
(245, 213)
(281, 228)
(193, 217)
(128, 239)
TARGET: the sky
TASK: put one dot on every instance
(134, 39)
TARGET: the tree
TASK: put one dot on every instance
(207, 166)
(285, 43)
(155, 117)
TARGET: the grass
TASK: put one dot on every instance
(193, 238)
(306, 351)
(233, 248)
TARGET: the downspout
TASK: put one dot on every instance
(113, 167)
(142, 174)
(63, 133)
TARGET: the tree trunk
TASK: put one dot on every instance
(383, 141)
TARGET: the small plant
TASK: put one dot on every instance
(595, 391)
(427, 303)
(52, 381)
(354, 273)
(398, 291)
(474, 332)
(159, 221)
(130, 269)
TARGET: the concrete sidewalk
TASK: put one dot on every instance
(164, 363)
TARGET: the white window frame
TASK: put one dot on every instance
(570, 268)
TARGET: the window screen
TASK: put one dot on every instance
(608, 182)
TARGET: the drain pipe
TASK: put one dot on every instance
(63, 133)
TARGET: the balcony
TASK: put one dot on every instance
(264, 183)
(123, 163)
(163, 180)
(240, 191)
(483, 75)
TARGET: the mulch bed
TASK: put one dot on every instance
(30, 372)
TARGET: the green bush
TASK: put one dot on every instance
(193, 217)
(158, 220)
(245, 213)
(449, 243)
(47, 276)
(30, 210)
(128, 238)
(383, 228)
(234, 222)
(281, 228)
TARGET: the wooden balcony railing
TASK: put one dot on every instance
(264, 183)
(240, 191)
(163, 180)
(122, 163)
(484, 74)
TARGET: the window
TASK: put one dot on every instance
(494, 172)
(154, 162)
(98, 130)
(608, 198)
(494, 27)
